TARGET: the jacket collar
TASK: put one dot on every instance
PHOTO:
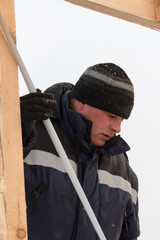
(75, 123)
(57, 90)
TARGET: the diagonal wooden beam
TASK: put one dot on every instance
(157, 10)
(143, 12)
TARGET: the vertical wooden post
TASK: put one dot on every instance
(157, 10)
(12, 195)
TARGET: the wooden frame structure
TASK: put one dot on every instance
(12, 196)
(143, 12)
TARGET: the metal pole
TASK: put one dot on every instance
(53, 135)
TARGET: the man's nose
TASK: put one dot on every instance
(116, 125)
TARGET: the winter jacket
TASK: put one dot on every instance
(54, 211)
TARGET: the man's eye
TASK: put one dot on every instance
(112, 116)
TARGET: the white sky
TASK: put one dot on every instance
(58, 41)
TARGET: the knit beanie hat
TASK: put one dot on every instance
(107, 87)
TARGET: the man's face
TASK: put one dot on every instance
(104, 126)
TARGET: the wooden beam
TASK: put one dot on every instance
(12, 195)
(143, 12)
(157, 10)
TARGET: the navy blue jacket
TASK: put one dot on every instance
(54, 211)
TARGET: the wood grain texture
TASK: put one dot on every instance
(157, 10)
(12, 195)
(137, 11)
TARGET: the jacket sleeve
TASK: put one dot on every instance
(130, 228)
(29, 137)
(29, 134)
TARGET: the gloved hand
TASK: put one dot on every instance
(36, 106)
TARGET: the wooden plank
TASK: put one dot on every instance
(12, 195)
(143, 8)
(3, 219)
(142, 12)
(157, 10)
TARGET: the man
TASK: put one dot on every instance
(87, 118)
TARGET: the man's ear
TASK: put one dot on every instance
(80, 105)
(77, 106)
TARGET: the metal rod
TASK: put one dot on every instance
(54, 137)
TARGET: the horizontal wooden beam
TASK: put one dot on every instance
(143, 12)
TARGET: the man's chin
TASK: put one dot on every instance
(99, 143)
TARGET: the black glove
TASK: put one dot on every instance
(36, 106)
